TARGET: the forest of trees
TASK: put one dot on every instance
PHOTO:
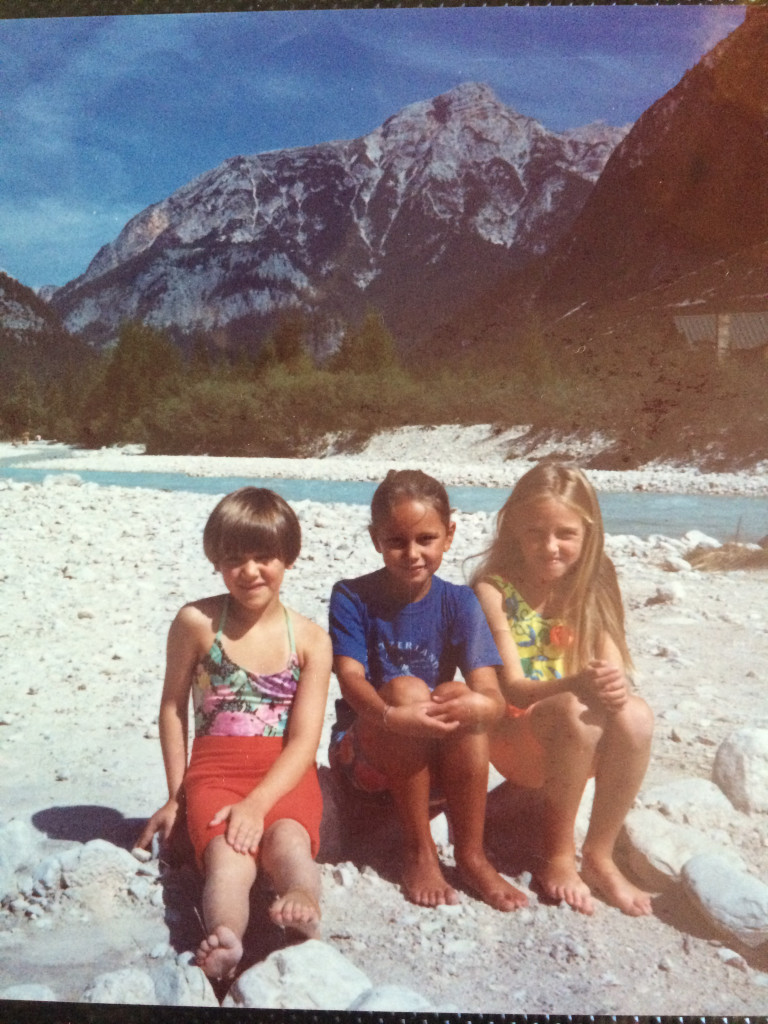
(282, 400)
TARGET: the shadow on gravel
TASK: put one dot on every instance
(81, 823)
(358, 828)
(512, 827)
(365, 830)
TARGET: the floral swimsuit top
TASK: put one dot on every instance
(231, 701)
(541, 643)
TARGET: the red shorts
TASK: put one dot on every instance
(225, 769)
(346, 757)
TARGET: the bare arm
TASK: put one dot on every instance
(182, 652)
(406, 720)
(476, 705)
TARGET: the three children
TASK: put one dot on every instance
(547, 623)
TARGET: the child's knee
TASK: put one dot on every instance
(285, 833)
(561, 709)
(450, 690)
(638, 720)
(557, 718)
(405, 690)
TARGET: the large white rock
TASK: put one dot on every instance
(19, 849)
(97, 863)
(180, 983)
(62, 480)
(741, 768)
(729, 898)
(670, 592)
(658, 849)
(697, 539)
(309, 976)
(32, 991)
(691, 801)
(129, 985)
(393, 999)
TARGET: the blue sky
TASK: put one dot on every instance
(102, 116)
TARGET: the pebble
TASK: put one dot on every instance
(733, 959)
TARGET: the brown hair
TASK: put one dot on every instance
(408, 485)
(593, 605)
(252, 520)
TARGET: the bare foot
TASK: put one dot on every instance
(561, 881)
(423, 881)
(615, 888)
(297, 910)
(219, 954)
(485, 881)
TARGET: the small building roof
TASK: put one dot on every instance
(747, 330)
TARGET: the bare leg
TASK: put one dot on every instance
(622, 760)
(286, 856)
(229, 877)
(406, 762)
(463, 759)
(569, 733)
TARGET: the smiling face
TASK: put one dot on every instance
(550, 538)
(253, 579)
(412, 540)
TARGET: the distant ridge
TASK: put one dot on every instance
(413, 218)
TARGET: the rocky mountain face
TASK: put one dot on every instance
(33, 341)
(687, 187)
(22, 312)
(420, 214)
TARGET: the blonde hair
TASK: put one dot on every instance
(249, 521)
(593, 605)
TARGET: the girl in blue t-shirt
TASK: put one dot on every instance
(399, 634)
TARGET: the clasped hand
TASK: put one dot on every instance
(605, 683)
(245, 825)
(455, 703)
(420, 718)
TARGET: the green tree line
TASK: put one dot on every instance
(654, 401)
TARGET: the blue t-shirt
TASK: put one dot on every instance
(429, 639)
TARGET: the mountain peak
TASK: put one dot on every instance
(412, 217)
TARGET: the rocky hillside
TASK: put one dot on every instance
(429, 207)
(22, 312)
(676, 224)
(687, 187)
(33, 341)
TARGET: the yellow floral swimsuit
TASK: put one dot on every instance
(541, 642)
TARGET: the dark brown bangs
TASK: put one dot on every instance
(252, 521)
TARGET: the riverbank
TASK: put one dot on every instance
(459, 456)
(91, 578)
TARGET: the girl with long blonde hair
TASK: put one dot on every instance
(552, 600)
